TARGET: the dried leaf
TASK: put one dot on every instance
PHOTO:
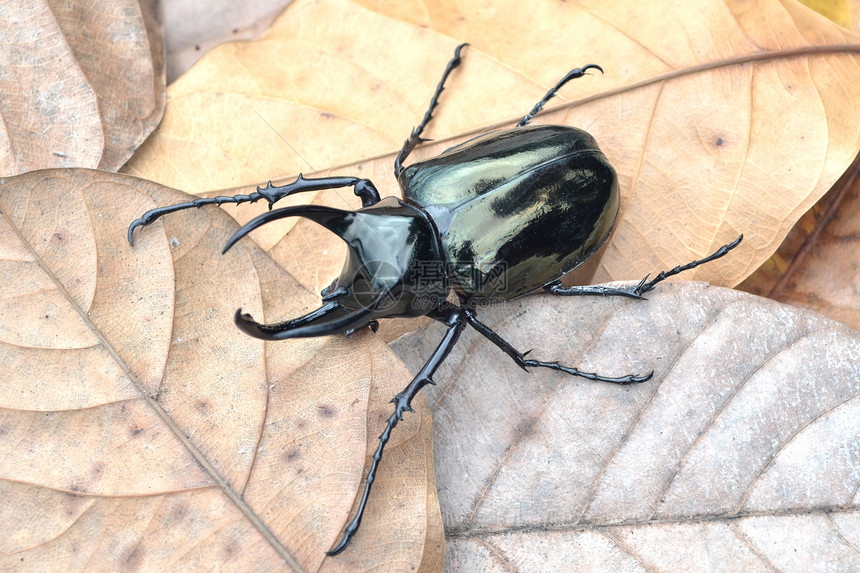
(741, 454)
(840, 11)
(192, 28)
(816, 267)
(81, 84)
(721, 118)
(141, 427)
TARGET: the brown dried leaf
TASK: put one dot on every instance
(721, 117)
(840, 11)
(817, 267)
(192, 28)
(141, 428)
(741, 454)
(81, 83)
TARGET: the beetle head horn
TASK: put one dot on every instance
(331, 318)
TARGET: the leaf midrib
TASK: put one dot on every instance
(153, 403)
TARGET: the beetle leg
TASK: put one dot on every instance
(522, 362)
(364, 189)
(403, 404)
(602, 290)
(571, 75)
(644, 285)
(373, 325)
(415, 138)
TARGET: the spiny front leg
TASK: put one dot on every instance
(402, 404)
(364, 189)
(644, 285)
(524, 363)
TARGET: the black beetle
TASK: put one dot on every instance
(492, 219)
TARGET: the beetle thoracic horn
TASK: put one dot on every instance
(332, 219)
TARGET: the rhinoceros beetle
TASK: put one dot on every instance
(492, 219)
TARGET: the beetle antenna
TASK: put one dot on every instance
(572, 74)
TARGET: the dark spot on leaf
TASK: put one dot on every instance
(525, 428)
(327, 411)
(72, 504)
(232, 547)
(201, 405)
(719, 141)
(178, 513)
(135, 558)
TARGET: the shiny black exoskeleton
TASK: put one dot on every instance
(492, 219)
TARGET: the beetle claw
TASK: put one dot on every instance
(134, 224)
(521, 359)
(587, 67)
(643, 287)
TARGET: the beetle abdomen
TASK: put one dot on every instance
(517, 209)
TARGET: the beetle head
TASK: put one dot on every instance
(394, 267)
